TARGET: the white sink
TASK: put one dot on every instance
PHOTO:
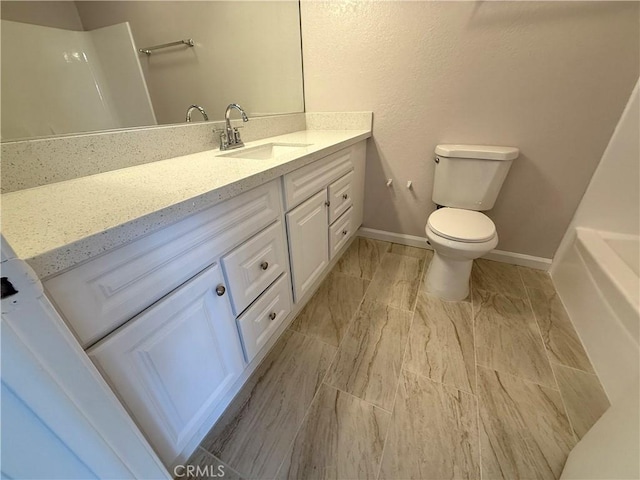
(267, 151)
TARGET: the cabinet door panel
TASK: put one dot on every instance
(308, 242)
(173, 363)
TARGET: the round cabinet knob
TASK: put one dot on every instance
(272, 315)
(327, 204)
(264, 265)
(345, 196)
(344, 232)
(220, 290)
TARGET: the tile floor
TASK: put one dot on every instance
(375, 379)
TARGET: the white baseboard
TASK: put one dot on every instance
(401, 238)
(512, 258)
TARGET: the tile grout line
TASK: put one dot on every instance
(356, 397)
(208, 453)
(326, 373)
(404, 355)
(546, 351)
(575, 369)
(475, 365)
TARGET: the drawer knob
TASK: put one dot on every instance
(264, 265)
(344, 232)
(272, 315)
(327, 203)
(345, 196)
(220, 290)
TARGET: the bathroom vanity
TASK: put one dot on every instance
(177, 295)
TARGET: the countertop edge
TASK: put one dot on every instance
(59, 260)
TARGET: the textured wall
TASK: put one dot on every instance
(612, 200)
(549, 77)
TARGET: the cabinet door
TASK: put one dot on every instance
(308, 242)
(174, 362)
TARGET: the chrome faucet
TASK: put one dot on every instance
(230, 136)
(200, 109)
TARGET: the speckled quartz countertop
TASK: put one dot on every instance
(57, 226)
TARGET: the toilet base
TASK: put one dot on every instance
(448, 278)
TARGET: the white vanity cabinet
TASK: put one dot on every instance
(173, 363)
(325, 203)
(175, 320)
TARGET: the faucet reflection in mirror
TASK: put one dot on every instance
(200, 109)
(105, 83)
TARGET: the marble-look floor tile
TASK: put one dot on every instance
(329, 312)
(370, 357)
(508, 339)
(421, 253)
(396, 281)
(433, 432)
(533, 278)
(441, 342)
(524, 432)
(583, 396)
(204, 466)
(255, 432)
(341, 438)
(558, 334)
(362, 257)
(497, 277)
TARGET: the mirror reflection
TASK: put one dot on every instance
(70, 67)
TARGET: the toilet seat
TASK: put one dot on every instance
(461, 225)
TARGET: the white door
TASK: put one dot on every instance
(173, 363)
(307, 227)
(59, 418)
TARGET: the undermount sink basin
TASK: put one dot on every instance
(267, 151)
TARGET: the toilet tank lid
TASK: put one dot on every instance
(484, 152)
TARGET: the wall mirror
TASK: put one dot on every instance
(70, 67)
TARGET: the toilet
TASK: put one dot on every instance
(467, 181)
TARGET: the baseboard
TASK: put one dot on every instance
(512, 258)
(401, 238)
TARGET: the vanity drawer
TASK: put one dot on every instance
(102, 294)
(262, 318)
(340, 232)
(340, 196)
(309, 180)
(254, 265)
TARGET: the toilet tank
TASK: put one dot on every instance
(470, 176)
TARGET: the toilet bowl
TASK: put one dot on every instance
(458, 237)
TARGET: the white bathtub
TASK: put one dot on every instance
(598, 282)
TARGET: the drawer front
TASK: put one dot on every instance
(340, 232)
(309, 180)
(102, 294)
(262, 319)
(340, 196)
(254, 265)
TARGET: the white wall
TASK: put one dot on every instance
(548, 77)
(612, 200)
(246, 52)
